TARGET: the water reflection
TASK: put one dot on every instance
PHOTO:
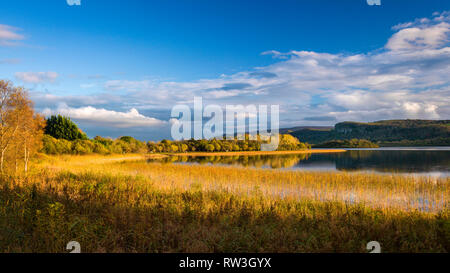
(421, 162)
(258, 161)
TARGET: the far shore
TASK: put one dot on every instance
(312, 151)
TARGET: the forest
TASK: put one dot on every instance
(352, 143)
(384, 133)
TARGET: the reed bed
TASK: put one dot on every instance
(375, 190)
(116, 205)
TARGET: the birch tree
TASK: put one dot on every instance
(21, 129)
(7, 129)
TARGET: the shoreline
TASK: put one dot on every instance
(254, 153)
(97, 158)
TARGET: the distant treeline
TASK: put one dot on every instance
(383, 133)
(98, 145)
(352, 143)
(287, 143)
(62, 136)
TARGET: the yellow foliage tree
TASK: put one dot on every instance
(21, 129)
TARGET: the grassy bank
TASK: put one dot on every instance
(110, 205)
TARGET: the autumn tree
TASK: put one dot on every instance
(7, 127)
(21, 129)
(30, 131)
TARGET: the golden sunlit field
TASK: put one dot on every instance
(126, 204)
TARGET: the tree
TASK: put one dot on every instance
(127, 139)
(209, 148)
(105, 141)
(184, 148)
(174, 148)
(152, 147)
(7, 127)
(63, 127)
(288, 143)
(30, 129)
(21, 129)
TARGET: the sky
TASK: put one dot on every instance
(118, 67)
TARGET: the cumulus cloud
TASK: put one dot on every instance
(422, 33)
(9, 35)
(37, 77)
(106, 118)
(414, 38)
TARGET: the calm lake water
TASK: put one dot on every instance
(428, 161)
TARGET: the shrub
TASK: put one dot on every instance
(49, 145)
(210, 148)
(100, 149)
(82, 147)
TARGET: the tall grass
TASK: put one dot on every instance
(110, 205)
(374, 190)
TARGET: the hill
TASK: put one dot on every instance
(384, 133)
(352, 143)
(298, 128)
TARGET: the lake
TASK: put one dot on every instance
(428, 161)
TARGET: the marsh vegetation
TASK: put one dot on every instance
(125, 204)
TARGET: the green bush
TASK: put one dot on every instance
(49, 145)
(100, 149)
(210, 148)
(82, 147)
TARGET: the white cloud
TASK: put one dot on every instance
(37, 77)
(415, 38)
(106, 118)
(9, 35)
(421, 33)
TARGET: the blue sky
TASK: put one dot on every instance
(117, 67)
